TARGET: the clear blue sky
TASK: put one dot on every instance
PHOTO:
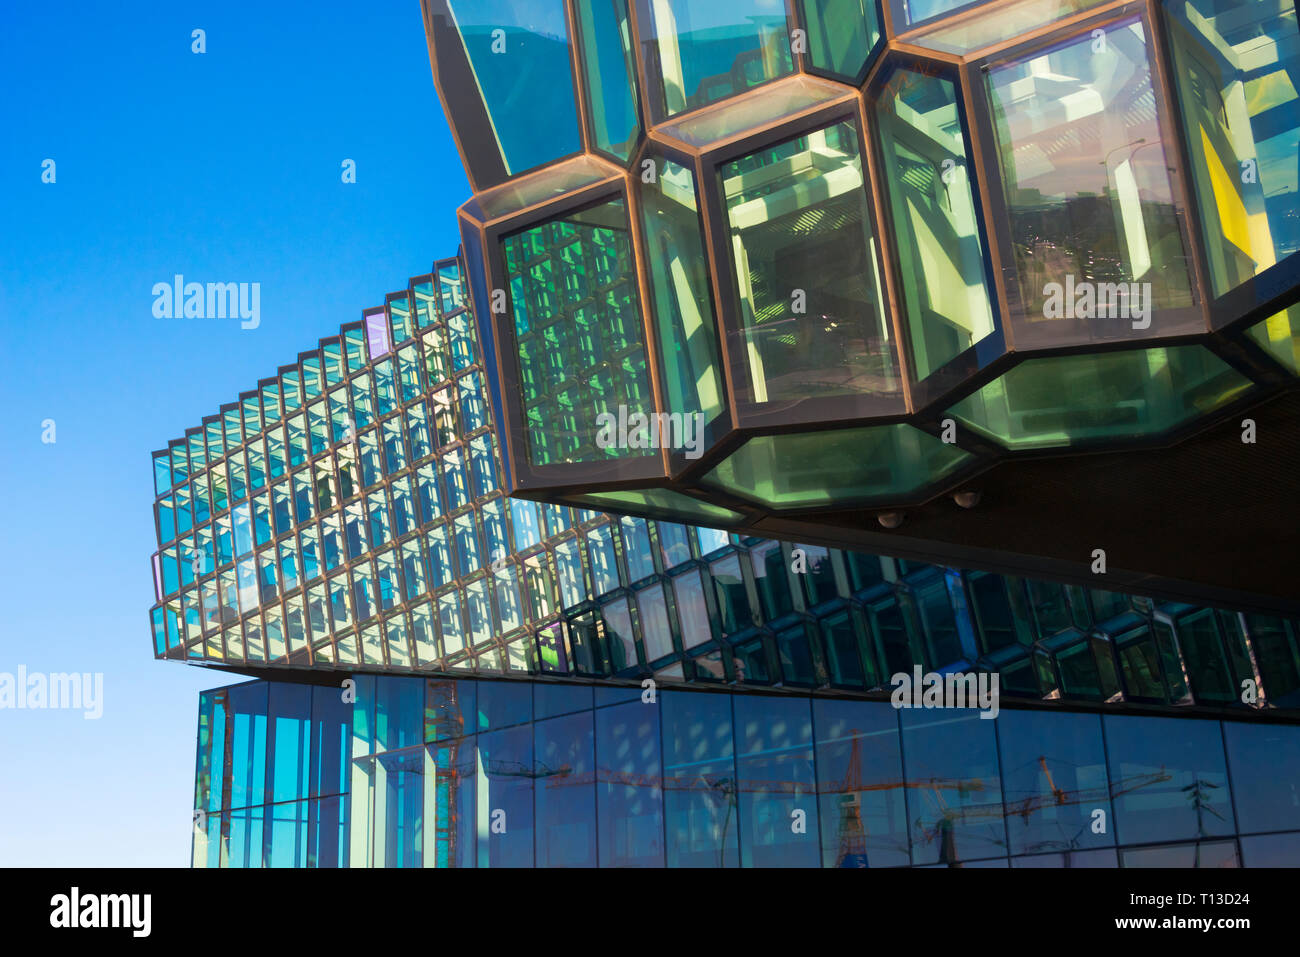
(223, 166)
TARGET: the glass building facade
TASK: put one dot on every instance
(888, 254)
(849, 258)
(462, 772)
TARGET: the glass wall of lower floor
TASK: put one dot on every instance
(478, 773)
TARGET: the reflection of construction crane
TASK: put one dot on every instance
(853, 838)
(851, 830)
(947, 818)
(446, 806)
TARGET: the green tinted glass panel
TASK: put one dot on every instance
(1237, 65)
(673, 504)
(806, 273)
(1094, 227)
(991, 26)
(679, 287)
(702, 51)
(579, 335)
(611, 76)
(821, 468)
(936, 234)
(841, 34)
(1280, 335)
(518, 51)
(1063, 400)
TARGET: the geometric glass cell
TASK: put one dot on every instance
(581, 349)
(1236, 70)
(679, 293)
(1066, 400)
(965, 35)
(802, 470)
(1280, 335)
(1095, 232)
(1019, 180)
(700, 51)
(935, 231)
(604, 37)
(518, 54)
(841, 34)
(804, 262)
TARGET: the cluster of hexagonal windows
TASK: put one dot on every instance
(825, 233)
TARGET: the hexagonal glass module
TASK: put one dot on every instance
(679, 292)
(935, 229)
(1067, 400)
(813, 320)
(518, 51)
(1088, 193)
(988, 27)
(840, 467)
(579, 338)
(698, 52)
(1280, 335)
(1237, 64)
(841, 34)
(604, 38)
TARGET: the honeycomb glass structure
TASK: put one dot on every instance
(849, 216)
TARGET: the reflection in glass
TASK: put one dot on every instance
(860, 784)
(955, 798)
(805, 267)
(1168, 778)
(841, 34)
(776, 782)
(578, 332)
(701, 51)
(566, 791)
(936, 233)
(607, 62)
(530, 104)
(1236, 68)
(700, 789)
(1086, 183)
(679, 291)
(1054, 781)
(629, 788)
